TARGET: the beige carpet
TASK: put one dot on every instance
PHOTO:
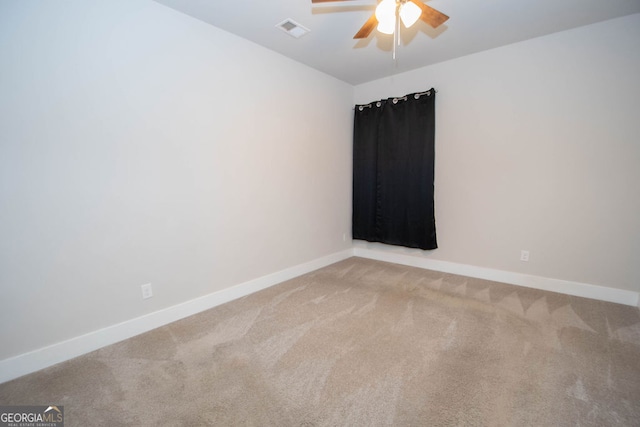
(364, 343)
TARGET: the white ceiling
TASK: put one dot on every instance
(474, 25)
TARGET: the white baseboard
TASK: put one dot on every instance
(585, 290)
(32, 361)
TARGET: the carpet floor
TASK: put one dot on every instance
(363, 343)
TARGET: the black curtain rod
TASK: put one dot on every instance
(394, 100)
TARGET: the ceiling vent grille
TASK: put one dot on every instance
(292, 28)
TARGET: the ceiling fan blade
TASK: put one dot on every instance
(430, 15)
(366, 29)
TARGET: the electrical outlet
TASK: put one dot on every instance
(147, 292)
(524, 256)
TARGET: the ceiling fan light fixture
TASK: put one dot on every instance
(386, 16)
(386, 27)
(409, 13)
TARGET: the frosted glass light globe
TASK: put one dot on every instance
(409, 13)
(386, 16)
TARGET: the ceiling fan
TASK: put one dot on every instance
(385, 18)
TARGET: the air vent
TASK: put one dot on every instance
(292, 28)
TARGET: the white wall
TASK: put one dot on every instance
(138, 145)
(538, 148)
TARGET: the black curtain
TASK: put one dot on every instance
(393, 171)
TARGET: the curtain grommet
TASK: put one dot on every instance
(378, 104)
